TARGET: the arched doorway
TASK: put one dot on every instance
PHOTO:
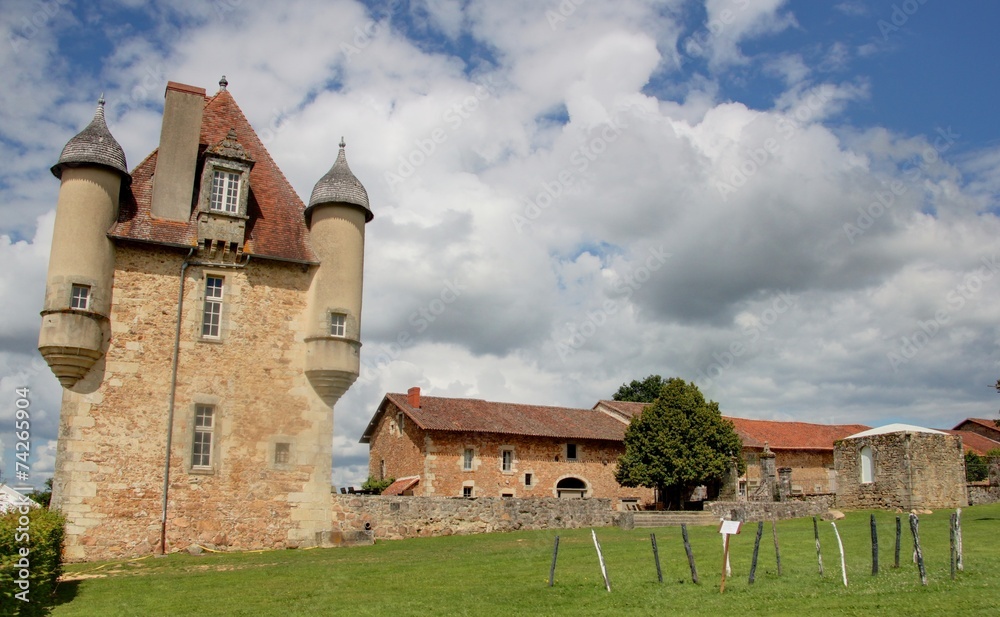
(571, 488)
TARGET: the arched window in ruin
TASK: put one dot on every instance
(571, 488)
(867, 465)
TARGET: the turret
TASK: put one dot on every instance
(336, 217)
(77, 309)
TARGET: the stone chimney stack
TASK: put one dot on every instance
(177, 157)
(413, 397)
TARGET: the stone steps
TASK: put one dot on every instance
(673, 519)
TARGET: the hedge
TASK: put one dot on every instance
(34, 550)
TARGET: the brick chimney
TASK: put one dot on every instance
(413, 398)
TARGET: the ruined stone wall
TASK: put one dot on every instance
(393, 518)
(110, 461)
(910, 470)
(769, 510)
(812, 470)
(980, 494)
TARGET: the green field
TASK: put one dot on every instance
(507, 574)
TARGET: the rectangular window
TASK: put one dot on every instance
(225, 192)
(507, 460)
(80, 297)
(338, 324)
(204, 427)
(527, 479)
(571, 452)
(212, 314)
(467, 458)
(282, 453)
(466, 491)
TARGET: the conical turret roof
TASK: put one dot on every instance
(339, 185)
(93, 145)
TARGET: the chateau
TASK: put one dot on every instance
(203, 321)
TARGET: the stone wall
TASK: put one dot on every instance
(393, 518)
(812, 470)
(437, 457)
(980, 494)
(112, 440)
(751, 511)
(909, 470)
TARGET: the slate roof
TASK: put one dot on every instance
(479, 416)
(339, 185)
(974, 442)
(276, 229)
(94, 145)
(779, 435)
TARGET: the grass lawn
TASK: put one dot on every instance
(507, 574)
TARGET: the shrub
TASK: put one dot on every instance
(376, 486)
(42, 540)
(976, 469)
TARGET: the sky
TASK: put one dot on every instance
(791, 203)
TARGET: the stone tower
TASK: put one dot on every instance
(77, 307)
(202, 321)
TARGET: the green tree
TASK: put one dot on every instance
(976, 469)
(678, 443)
(645, 391)
(43, 497)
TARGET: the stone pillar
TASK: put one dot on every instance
(768, 477)
(784, 483)
(993, 465)
(730, 482)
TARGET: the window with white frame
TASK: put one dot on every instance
(204, 430)
(468, 455)
(507, 459)
(338, 324)
(80, 297)
(225, 192)
(212, 314)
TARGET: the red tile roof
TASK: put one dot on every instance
(981, 423)
(974, 442)
(479, 416)
(276, 229)
(401, 485)
(778, 435)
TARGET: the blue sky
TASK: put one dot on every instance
(791, 203)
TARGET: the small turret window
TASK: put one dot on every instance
(80, 297)
(225, 191)
(338, 324)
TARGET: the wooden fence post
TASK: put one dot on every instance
(874, 546)
(843, 562)
(552, 570)
(914, 525)
(656, 557)
(600, 557)
(898, 528)
(690, 553)
(777, 551)
(819, 555)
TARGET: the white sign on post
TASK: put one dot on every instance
(730, 527)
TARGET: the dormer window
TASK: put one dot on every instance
(225, 192)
